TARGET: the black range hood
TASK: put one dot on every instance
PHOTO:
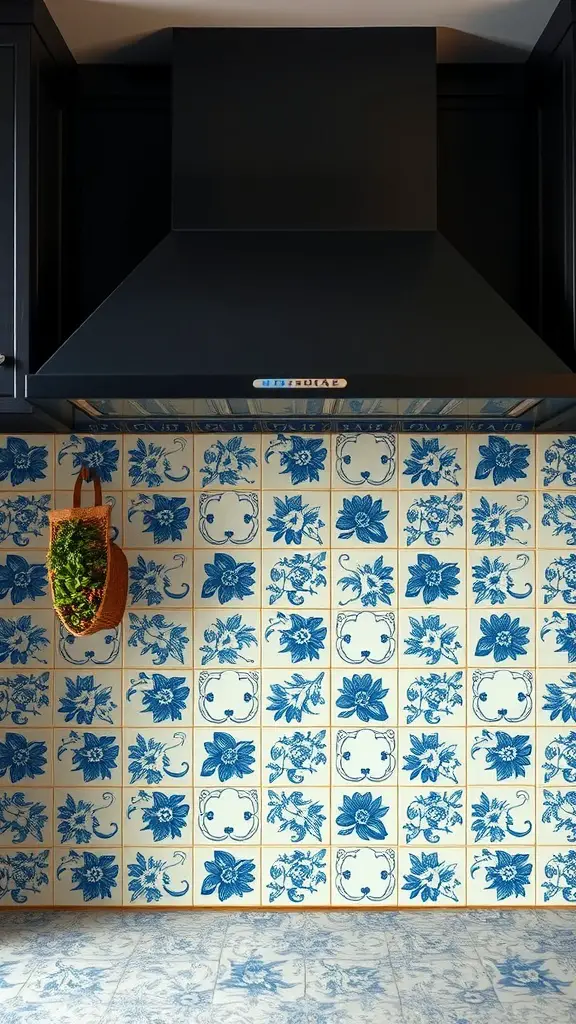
(304, 256)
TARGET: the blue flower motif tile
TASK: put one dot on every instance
(85, 877)
(365, 460)
(292, 878)
(112, 498)
(295, 757)
(228, 519)
(432, 817)
(430, 697)
(227, 460)
(556, 641)
(154, 638)
(296, 697)
(26, 878)
(503, 578)
(430, 638)
(556, 519)
(157, 878)
(365, 639)
(432, 757)
(555, 886)
(295, 579)
(295, 461)
(504, 877)
(228, 696)
(26, 462)
(431, 520)
(364, 697)
(228, 756)
(156, 757)
(426, 579)
(433, 462)
(499, 815)
(355, 989)
(296, 816)
(226, 876)
(25, 757)
(158, 698)
(228, 815)
(519, 980)
(228, 637)
(296, 639)
(556, 460)
(227, 579)
(364, 520)
(89, 758)
(557, 578)
(501, 638)
(26, 639)
(556, 760)
(364, 756)
(24, 581)
(159, 462)
(102, 453)
(88, 698)
(101, 650)
(159, 817)
(88, 818)
(364, 876)
(556, 697)
(295, 521)
(432, 877)
(25, 698)
(364, 815)
(365, 579)
(24, 521)
(499, 461)
(501, 756)
(503, 519)
(162, 577)
(26, 816)
(157, 520)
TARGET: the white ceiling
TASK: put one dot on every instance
(473, 29)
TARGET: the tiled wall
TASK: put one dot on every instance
(344, 675)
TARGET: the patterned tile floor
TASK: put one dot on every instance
(476, 967)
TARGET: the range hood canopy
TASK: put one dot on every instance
(304, 243)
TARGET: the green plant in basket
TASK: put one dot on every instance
(77, 561)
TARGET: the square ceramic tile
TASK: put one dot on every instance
(24, 520)
(496, 460)
(227, 815)
(159, 879)
(433, 462)
(555, 877)
(300, 697)
(26, 757)
(298, 579)
(432, 877)
(26, 817)
(26, 638)
(63, 499)
(295, 877)
(102, 453)
(504, 578)
(291, 520)
(157, 757)
(364, 815)
(431, 817)
(26, 698)
(160, 579)
(226, 876)
(158, 463)
(556, 761)
(295, 757)
(427, 580)
(158, 638)
(432, 757)
(501, 815)
(365, 460)
(230, 637)
(364, 756)
(157, 520)
(364, 520)
(101, 650)
(26, 462)
(29, 876)
(556, 519)
(430, 697)
(162, 817)
(299, 461)
(88, 698)
(227, 579)
(556, 697)
(87, 757)
(158, 698)
(227, 460)
(88, 817)
(556, 579)
(502, 876)
(501, 637)
(431, 520)
(228, 519)
(88, 877)
(23, 581)
(228, 696)
(501, 757)
(556, 460)
(227, 757)
(296, 815)
(364, 697)
(556, 641)
(432, 638)
(364, 638)
(501, 519)
(501, 696)
(365, 579)
(556, 815)
(292, 639)
(364, 877)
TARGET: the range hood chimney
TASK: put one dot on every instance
(304, 247)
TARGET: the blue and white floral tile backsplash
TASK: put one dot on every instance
(346, 675)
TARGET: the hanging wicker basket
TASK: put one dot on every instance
(115, 592)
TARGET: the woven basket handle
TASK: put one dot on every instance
(88, 475)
